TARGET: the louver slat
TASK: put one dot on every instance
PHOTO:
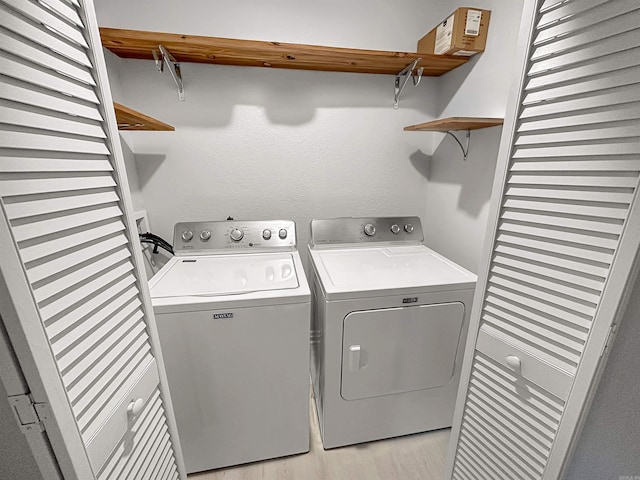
(15, 67)
(613, 97)
(91, 348)
(571, 179)
(107, 288)
(603, 256)
(57, 245)
(19, 164)
(45, 227)
(35, 96)
(57, 205)
(24, 116)
(618, 61)
(564, 10)
(81, 330)
(42, 36)
(604, 212)
(627, 77)
(62, 303)
(35, 54)
(609, 46)
(37, 140)
(596, 33)
(65, 11)
(57, 267)
(548, 284)
(584, 18)
(42, 15)
(27, 186)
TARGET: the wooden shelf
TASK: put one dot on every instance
(250, 53)
(455, 123)
(129, 119)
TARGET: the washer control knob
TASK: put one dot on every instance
(395, 229)
(187, 235)
(205, 235)
(266, 234)
(408, 228)
(282, 233)
(369, 230)
(236, 234)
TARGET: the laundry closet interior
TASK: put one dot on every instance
(310, 183)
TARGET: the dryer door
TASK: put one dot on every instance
(402, 349)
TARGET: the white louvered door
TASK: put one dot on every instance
(69, 249)
(563, 243)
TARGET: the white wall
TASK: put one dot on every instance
(458, 192)
(261, 143)
(609, 446)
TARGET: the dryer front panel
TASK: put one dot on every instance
(395, 350)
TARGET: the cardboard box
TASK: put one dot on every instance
(463, 33)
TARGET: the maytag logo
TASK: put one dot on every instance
(410, 300)
(222, 315)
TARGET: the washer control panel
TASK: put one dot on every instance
(229, 236)
(366, 230)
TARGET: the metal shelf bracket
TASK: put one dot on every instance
(465, 152)
(403, 77)
(162, 57)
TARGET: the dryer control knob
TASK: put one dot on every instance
(187, 235)
(408, 228)
(395, 229)
(236, 234)
(205, 235)
(282, 233)
(266, 234)
(369, 230)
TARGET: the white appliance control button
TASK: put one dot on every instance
(187, 235)
(266, 234)
(282, 233)
(205, 235)
(369, 230)
(236, 234)
(408, 228)
(395, 228)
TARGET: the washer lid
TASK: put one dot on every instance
(226, 275)
(386, 268)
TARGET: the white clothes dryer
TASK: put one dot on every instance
(389, 321)
(232, 309)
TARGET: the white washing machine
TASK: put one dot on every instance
(232, 309)
(389, 321)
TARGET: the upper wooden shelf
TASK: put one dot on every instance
(130, 119)
(455, 123)
(251, 53)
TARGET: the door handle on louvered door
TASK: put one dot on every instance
(135, 407)
(514, 363)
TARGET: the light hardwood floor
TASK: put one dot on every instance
(413, 457)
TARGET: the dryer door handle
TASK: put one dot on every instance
(354, 358)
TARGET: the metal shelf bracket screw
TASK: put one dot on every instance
(162, 57)
(403, 77)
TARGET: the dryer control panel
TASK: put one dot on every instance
(354, 230)
(233, 236)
